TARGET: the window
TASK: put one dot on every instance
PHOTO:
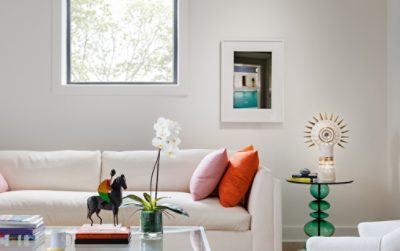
(169, 79)
(121, 42)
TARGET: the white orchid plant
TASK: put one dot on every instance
(166, 141)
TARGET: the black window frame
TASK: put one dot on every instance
(68, 54)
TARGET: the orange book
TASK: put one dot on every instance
(105, 231)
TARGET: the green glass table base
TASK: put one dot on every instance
(319, 226)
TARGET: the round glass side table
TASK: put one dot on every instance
(319, 226)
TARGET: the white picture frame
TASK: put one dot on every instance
(274, 113)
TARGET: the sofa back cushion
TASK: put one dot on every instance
(57, 170)
(175, 173)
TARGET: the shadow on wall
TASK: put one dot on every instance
(395, 168)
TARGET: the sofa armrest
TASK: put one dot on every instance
(264, 206)
(378, 228)
(343, 244)
(278, 214)
(391, 241)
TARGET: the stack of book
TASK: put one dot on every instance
(304, 178)
(21, 227)
(103, 234)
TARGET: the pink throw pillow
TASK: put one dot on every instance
(3, 184)
(208, 174)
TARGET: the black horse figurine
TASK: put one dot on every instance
(95, 203)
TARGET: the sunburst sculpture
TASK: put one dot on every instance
(326, 132)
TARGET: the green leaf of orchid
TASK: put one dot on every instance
(160, 198)
(173, 208)
(138, 199)
(132, 204)
(147, 197)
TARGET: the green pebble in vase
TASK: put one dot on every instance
(151, 224)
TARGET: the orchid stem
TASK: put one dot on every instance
(158, 170)
(152, 173)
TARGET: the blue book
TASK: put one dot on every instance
(21, 230)
(25, 237)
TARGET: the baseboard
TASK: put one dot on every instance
(296, 233)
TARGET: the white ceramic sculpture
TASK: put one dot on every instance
(326, 132)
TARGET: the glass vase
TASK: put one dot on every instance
(151, 224)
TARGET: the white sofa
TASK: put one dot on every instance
(57, 184)
(374, 236)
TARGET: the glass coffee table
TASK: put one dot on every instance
(174, 239)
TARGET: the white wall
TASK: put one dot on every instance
(335, 62)
(393, 76)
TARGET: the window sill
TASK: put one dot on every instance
(120, 90)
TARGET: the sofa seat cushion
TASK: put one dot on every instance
(68, 208)
(208, 213)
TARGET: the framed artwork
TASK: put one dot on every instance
(252, 76)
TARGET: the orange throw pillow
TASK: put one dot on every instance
(242, 167)
(247, 148)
